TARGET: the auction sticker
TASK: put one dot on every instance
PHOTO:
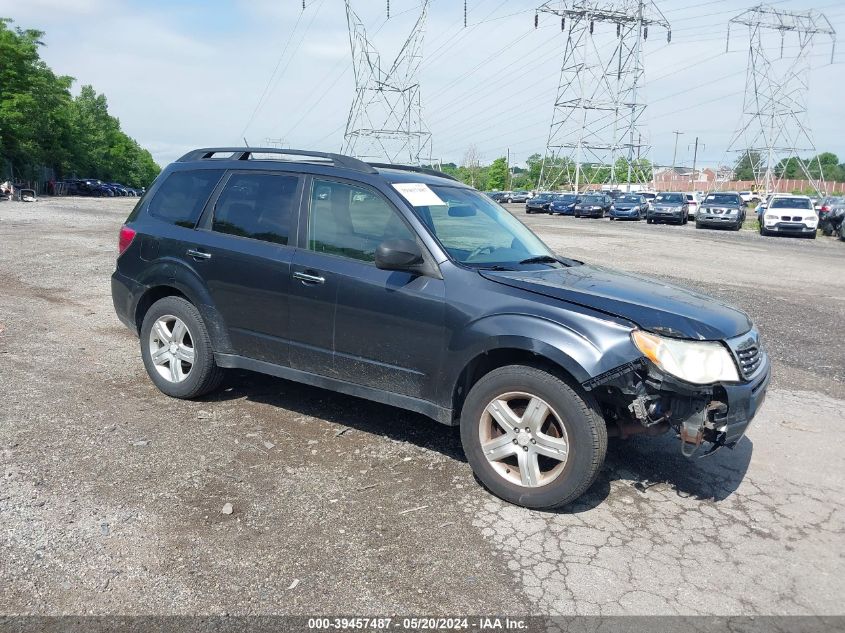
(418, 194)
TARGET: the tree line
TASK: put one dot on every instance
(557, 173)
(43, 125)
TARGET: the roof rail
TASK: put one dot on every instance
(415, 169)
(244, 153)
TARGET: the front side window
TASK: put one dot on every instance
(181, 197)
(257, 206)
(476, 232)
(351, 221)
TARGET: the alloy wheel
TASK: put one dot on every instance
(172, 348)
(523, 439)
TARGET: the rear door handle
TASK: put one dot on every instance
(309, 279)
(198, 254)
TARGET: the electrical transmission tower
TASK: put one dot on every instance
(598, 109)
(774, 127)
(385, 120)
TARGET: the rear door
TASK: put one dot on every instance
(350, 320)
(244, 251)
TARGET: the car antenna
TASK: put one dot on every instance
(246, 144)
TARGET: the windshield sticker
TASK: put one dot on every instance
(418, 194)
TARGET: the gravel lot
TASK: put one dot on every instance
(112, 493)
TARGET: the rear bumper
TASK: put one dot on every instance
(125, 293)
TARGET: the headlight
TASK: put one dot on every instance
(771, 217)
(698, 362)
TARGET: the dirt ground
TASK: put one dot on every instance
(111, 493)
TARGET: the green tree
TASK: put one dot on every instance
(42, 125)
(497, 174)
(745, 165)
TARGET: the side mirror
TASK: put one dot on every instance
(404, 255)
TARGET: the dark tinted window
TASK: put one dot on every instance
(182, 196)
(258, 206)
(351, 221)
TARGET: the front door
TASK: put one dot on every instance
(376, 328)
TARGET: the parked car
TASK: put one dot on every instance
(539, 203)
(693, 204)
(563, 204)
(829, 204)
(425, 295)
(631, 206)
(518, 196)
(497, 196)
(593, 205)
(749, 196)
(649, 197)
(724, 209)
(792, 215)
(669, 207)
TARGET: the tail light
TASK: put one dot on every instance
(125, 239)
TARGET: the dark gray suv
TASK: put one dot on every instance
(406, 287)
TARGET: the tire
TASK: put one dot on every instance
(698, 225)
(738, 226)
(649, 221)
(202, 375)
(813, 235)
(573, 420)
(577, 216)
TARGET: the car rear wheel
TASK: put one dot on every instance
(176, 349)
(531, 438)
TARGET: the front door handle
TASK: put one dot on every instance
(309, 279)
(198, 254)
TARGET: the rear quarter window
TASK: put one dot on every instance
(182, 196)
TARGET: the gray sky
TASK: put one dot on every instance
(184, 74)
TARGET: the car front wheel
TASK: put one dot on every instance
(531, 438)
(176, 349)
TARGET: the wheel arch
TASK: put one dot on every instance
(185, 283)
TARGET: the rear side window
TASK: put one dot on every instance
(257, 206)
(181, 197)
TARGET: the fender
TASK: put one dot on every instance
(606, 346)
(179, 275)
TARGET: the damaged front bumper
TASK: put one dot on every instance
(640, 398)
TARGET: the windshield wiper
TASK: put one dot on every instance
(496, 267)
(540, 259)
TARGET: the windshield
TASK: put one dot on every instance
(477, 232)
(791, 203)
(592, 200)
(630, 199)
(542, 196)
(677, 198)
(724, 198)
(649, 196)
(566, 198)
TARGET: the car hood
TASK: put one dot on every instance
(651, 304)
